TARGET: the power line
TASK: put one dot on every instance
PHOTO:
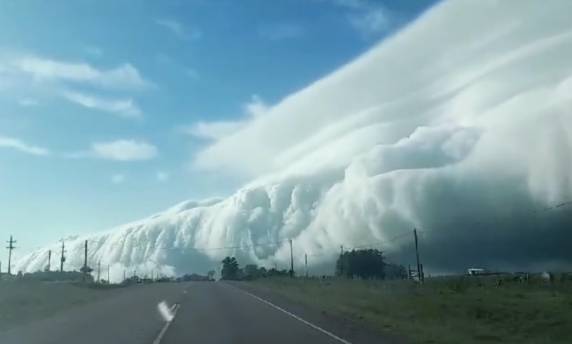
(102, 243)
(556, 206)
(238, 247)
(496, 218)
(373, 244)
(222, 248)
(385, 241)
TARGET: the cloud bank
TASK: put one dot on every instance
(460, 125)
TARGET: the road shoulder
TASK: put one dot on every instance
(343, 327)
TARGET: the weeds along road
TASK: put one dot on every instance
(206, 312)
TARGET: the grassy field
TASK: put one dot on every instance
(24, 301)
(452, 310)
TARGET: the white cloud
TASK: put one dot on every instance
(162, 176)
(42, 69)
(371, 22)
(443, 130)
(19, 145)
(30, 77)
(415, 79)
(121, 107)
(255, 107)
(178, 29)
(367, 17)
(118, 178)
(217, 130)
(124, 150)
(213, 130)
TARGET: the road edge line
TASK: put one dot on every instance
(159, 338)
(315, 327)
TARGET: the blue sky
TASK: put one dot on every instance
(103, 104)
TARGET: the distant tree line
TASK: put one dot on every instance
(362, 264)
(53, 276)
(368, 264)
(232, 271)
(196, 277)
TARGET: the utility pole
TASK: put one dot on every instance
(341, 260)
(306, 263)
(85, 261)
(63, 257)
(85, 269)
(85, 255)
(108, 282)
(49, 260)
(291, 260)
(10, 247)
(419, 273)
(124, 276)
(98, 271)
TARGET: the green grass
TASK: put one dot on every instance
(24, 301)
(454, 310)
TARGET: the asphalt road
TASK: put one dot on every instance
(207, 312)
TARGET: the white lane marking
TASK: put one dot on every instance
(165, 311)
(316, 327)
(173, 309)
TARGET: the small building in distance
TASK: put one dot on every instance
(477, 271)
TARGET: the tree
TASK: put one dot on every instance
(251, 271)
(363, 264)
(230, 269)
(395, 271)
(274, 272)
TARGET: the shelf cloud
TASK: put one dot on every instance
(460, 126)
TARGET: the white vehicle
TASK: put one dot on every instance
(477, 271)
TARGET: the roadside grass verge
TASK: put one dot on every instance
(443, 310)
(22, 302)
